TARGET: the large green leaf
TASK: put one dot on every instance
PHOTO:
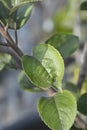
(26, 84)
(36, 72)
(65, 43)
(82, 104)
(52, 61)
(58, 112)
(15, 12)
(4, 59)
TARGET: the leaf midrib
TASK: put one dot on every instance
(58, 114)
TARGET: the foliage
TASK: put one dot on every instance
(44, 70)
(59, 111)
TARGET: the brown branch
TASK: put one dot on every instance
(11, 43)
(83, 71)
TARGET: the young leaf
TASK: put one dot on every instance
(26, 84)
(58, 112)
(82, 104)
(52, 61)
(65, 43)
(36, 72)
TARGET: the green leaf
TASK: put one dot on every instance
(72, 88)
(4, 12)
(58, 112)
(20, 15)
(52, 61)
(65, 43)
(36, 72)
(12, 12)
(82, 104)
(83, 6)
(64, 18)
(4, 59)
(26, 84)
(15, 12)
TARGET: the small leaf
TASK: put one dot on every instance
(58, 112)
(26, 84)
(82, 104)
(52, 61)
(4, 59)
(36, 72)
(65, 43)
(83, 6)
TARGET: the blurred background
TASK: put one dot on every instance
(18, 108)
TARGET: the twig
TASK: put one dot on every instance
(11, 43)
(83, 71)
(16, 36)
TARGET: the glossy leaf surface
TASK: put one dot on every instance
(52, 61)
(36, 72)
(58, 112)
(65, 43)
